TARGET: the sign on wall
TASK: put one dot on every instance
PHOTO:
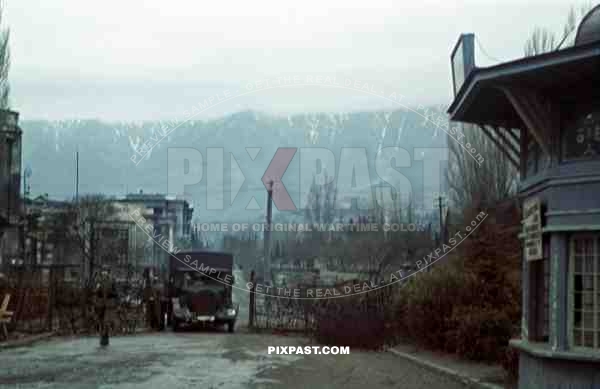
(532, 229)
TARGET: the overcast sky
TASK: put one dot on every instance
(148, 59)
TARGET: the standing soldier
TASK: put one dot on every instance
(149, 299)
(105, 291)
(153, 301)
(158, 304)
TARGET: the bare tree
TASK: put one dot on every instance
(99, 240)
(92, 226)
(472, 182)
(245, 248)
(321, 201)
(543, 40)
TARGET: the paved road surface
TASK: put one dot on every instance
(203, 360)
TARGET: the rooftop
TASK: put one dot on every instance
(151, 197)
(561, 75)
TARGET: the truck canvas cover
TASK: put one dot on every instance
(202, 261)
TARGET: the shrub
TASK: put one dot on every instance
(480, 332)
(429, 301)
(470, 304)
(355, 321)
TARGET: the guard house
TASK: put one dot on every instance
(543, 111)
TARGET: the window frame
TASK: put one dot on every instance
(595, 274)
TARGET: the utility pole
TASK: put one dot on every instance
(252, 308)
(26, 226)
(77, 177)
(442, 237)
(267, 235)
(10, 142)
(92, 253)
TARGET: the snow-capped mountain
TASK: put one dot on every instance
(106, 148)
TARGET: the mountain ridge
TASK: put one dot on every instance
(105, 149)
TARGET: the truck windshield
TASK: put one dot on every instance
(195, 282)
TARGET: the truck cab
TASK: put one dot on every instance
(201, 290)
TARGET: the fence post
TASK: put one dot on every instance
(51, 282)
(252, 299)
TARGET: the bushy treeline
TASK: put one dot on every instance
(468, 305)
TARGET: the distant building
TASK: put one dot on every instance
(10, 184)
(45, 242)
(173, 212)
(168, 221)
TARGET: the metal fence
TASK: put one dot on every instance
(283, 314)
(44, 298)
(366, 320)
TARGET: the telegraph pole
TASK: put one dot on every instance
(77, 177)
(267, 234)
(10, 141)
(442, 237)
(26, 226)
(92, 248)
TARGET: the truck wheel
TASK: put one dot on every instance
(230, 326)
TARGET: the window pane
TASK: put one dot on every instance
(577, 338)
(577, 318)
(588, 320)
(588, 283)
(588, 339)
(589, 264)
(588, 301)
(589, 247)
(577, 283)
(585, 283)
(578, 247)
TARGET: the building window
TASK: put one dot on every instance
(585, 291)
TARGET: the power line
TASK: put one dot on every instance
(484, 51)
(565, 37)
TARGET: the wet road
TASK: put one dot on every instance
(203, 360)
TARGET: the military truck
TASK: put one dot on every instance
(200, 290)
